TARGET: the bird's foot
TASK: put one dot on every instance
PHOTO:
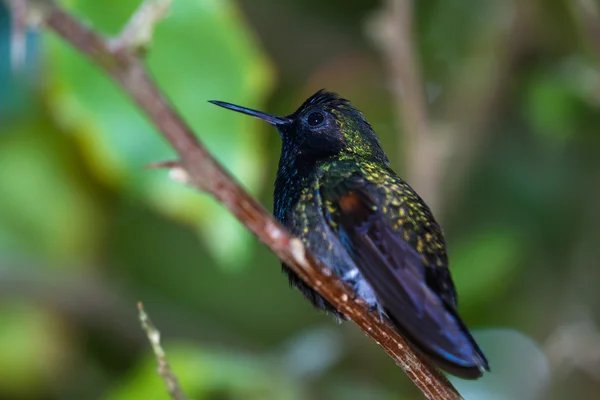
(376, 307)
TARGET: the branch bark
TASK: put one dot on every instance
(202, 171)
(439, 152)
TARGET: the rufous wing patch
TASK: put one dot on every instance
(350, 203)
(354, 206)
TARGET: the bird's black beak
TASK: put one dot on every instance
(272, 119)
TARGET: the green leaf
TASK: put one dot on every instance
(201, 51)
(561, 102)
(553, 108)
(483, 264)
(32, 345)
(46, 208)
(205, 374)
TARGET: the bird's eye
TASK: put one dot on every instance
(315, 118)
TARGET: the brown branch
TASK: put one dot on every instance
(587, 14)
(477, 93)
(438, 156)
(392, 30)
(140, 28)
(164, 369)
(203, 172)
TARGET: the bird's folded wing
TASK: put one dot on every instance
(418, 298)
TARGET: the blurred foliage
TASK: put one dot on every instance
(201, 45)
(32, 343)
(86, 230)
(67, 201)
(209, 375)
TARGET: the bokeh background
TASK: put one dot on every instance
(510, 163)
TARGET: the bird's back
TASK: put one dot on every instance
(375, 232)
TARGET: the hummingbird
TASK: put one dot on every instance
(336, 192)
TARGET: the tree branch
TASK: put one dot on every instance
(587, 14)
(202, 171)
(392, 30)
(439, 157)
(477, 93)
(164, 369)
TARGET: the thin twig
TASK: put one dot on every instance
(587, 13)
(438, 156)
(164, 369)
(18, 32)
(138, 32)
(206, 174)
(392, 30)
(478, 92)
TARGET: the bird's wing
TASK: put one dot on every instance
(399, 249)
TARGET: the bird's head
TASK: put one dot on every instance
(324, 126)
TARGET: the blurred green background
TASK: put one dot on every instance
(85, 231)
